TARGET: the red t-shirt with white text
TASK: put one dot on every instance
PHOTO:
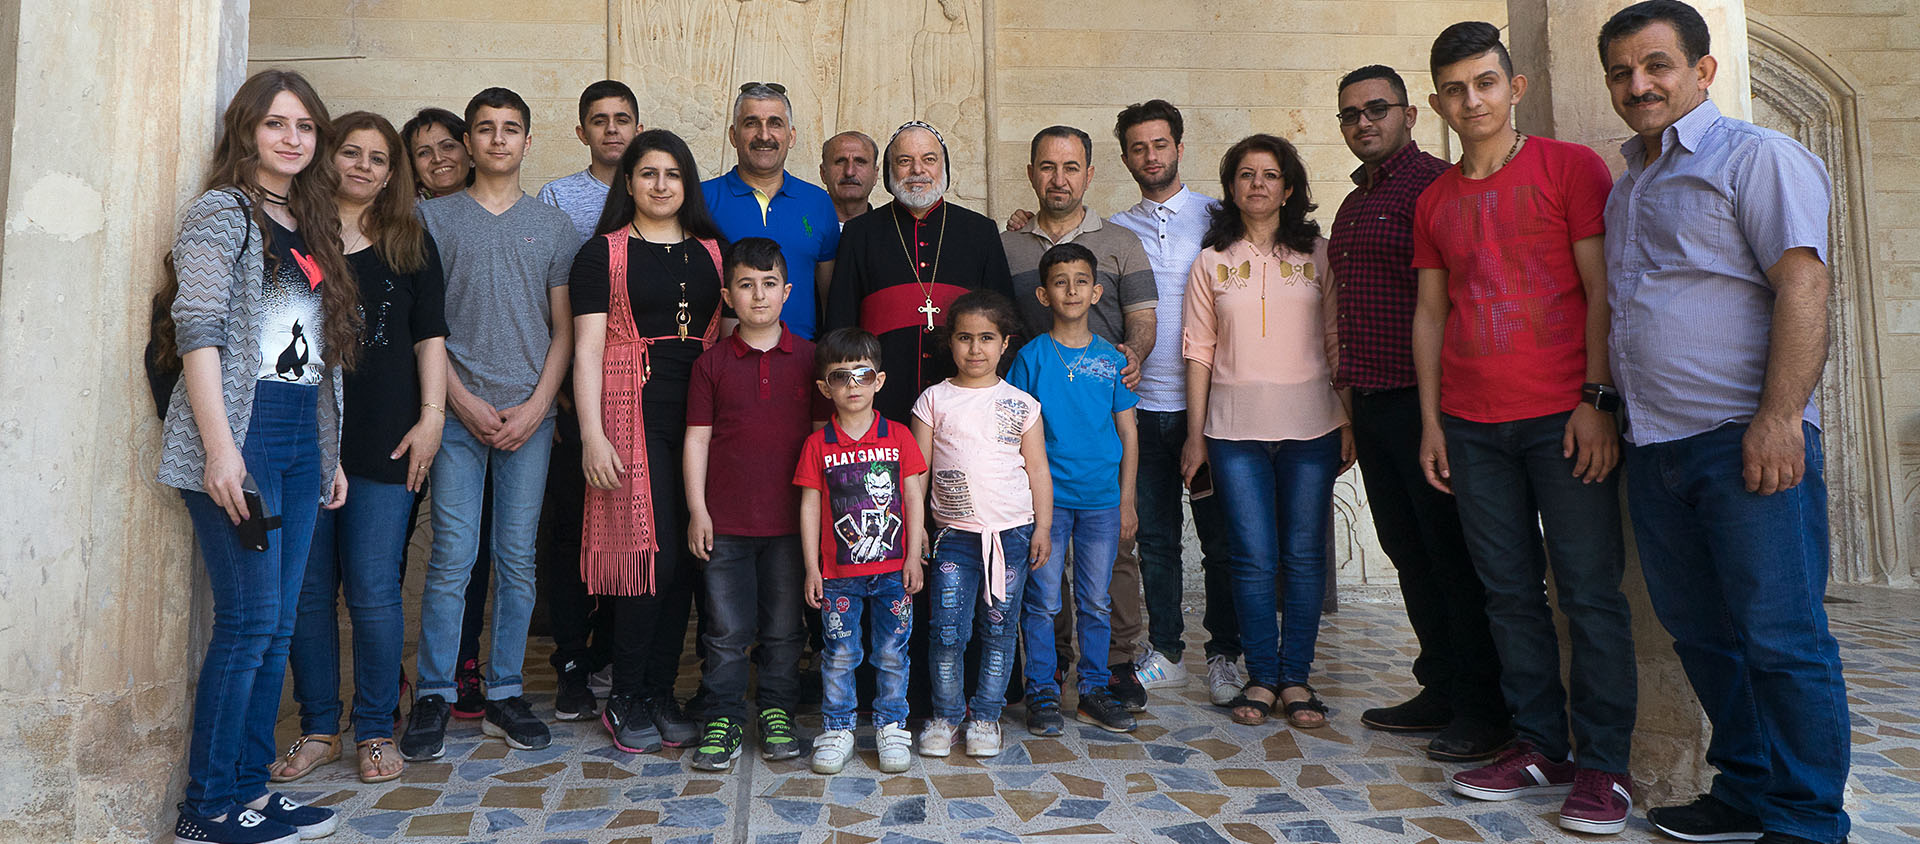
(1515, 345)
(862, 484)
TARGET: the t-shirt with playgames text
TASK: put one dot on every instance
(862, 484)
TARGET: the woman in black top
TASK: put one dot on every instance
(646, 303)
(389, 435)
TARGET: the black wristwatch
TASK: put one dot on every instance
(1603, 397)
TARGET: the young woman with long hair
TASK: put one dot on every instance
(264, 317)
(646, 303)
(395, 410)
(1261, 342)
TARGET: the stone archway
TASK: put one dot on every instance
(1799, 94)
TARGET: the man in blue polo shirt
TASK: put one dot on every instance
(759, 198)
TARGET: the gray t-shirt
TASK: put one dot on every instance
(498, 271)
(580, 195)
(1124, 274)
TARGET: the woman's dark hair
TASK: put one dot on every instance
(844, 345)
(620, 209)
(235, 167)
(1296, 232)
(1148, 111)
(1463, 41)
(997, 308)
(390, 222)
(1067, 253)
(1695, 39)
(758, 253)
(456, 128)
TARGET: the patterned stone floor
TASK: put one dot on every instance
(1189, 775)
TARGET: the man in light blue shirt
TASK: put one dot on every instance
(759, 198)
(1716, 247)
(609, 120)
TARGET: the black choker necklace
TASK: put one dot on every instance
(273, 198)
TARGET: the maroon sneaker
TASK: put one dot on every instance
(1520, 770)
(1599, 802)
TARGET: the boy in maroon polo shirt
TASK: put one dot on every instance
(752, 393)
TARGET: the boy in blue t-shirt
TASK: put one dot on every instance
(1092, 454)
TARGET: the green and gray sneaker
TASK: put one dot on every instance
(719, 747)
(777, 741)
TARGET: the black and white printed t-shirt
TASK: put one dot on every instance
(290, 335)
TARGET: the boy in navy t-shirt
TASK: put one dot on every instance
(1091, 453)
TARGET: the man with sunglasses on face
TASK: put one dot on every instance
(1371, 248)
(759, 198)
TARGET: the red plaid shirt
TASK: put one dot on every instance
(1371, 250)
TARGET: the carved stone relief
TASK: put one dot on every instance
(868, 65)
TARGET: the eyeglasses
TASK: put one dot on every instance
(771, 86)
(1374, 113)
(859, 376)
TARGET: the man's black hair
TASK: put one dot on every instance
(497, 97)
(608, 88)
(1463, 41)
(844, 345)
(1148, 112)
(1067, 253)
(757, 253)
(1376, 71)
(1695, 40)
(1058, 131)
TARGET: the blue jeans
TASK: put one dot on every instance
(1510, 480)
(255, 594)
(519, 484)
(358, 546)
(882, 600)
(961, 614)
(1094, 536)
(1738, 579)
(1277, 497)
(752, 586)
(1158, 492)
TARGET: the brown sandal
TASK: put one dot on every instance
(1293, 709)
(1260, 708)
(375, 753)
(285, 771)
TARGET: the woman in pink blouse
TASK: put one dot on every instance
(1258, 333)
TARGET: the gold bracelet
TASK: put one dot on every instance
(442, 410)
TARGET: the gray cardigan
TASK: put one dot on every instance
(220, 304)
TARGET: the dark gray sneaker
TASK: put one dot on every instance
(631, 725)
(676, 729)
(513, 720)
(573, 700)
(777, 741)
(1099, 708)
(1043, 714)
(1707, 818)
(426, 735)
(720, 746)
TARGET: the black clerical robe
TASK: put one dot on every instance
(895, 276)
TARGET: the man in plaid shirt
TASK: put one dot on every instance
(1371, 248)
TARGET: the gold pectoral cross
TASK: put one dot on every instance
(929, 310)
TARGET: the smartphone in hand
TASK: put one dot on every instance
(1202, 484)
(253, 529)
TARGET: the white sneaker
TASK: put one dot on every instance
(896, 748)
(983, 738)
(937, 738)
(1223, 679)
(1155, 671)
(831, 750)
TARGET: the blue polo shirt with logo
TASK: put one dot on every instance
(799, 217)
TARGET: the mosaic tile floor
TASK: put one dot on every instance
(1189, 775)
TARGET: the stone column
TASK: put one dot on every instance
(101, 602)
(1555, 44)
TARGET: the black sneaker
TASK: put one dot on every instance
(426, 735)
(1707, 818)
(308, 821)
(720, 746)
(242, 827)
(574, 700)
(471, 700)
(1424, 712)
(1099, 708)
(1043, 714)
(627, 719)
(1469, 740)
(1126, 688)
(777, 740)
(676, 729)
(513, 720)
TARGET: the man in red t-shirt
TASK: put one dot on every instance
(1516, 401)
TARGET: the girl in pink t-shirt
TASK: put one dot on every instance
(993, 502)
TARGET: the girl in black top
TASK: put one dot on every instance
(643, 338)
(389, 435)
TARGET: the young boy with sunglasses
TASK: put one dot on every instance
(863, 488)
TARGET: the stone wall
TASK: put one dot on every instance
(117, 103)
